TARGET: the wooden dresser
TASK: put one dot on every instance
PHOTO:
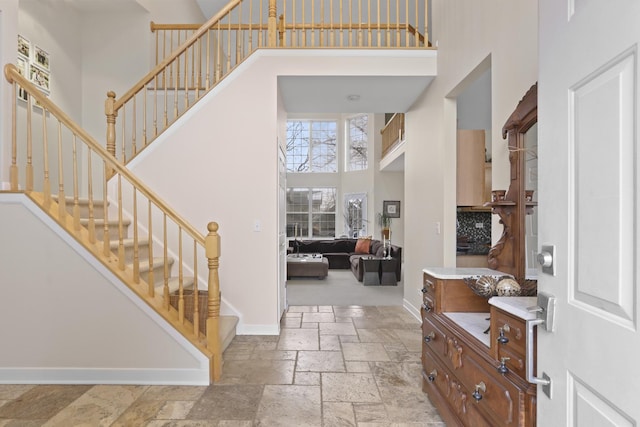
(475, 379)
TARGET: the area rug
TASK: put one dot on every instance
(340, 287)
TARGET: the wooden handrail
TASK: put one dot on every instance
(13, 75)
(160, 67)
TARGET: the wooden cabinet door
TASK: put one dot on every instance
(470, 167)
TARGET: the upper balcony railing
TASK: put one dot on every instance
(192, 59)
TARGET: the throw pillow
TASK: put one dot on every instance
(362, 246)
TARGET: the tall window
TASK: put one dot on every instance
(357, 143)
(311, 212)
(311, 146)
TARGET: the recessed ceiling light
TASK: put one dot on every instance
(353, 97)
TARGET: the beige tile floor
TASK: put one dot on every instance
(330, 366)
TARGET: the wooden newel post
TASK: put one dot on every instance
(109, 111)
(212, 252)
(272, 24)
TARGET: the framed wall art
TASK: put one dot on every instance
(391, 208)
(33, 62)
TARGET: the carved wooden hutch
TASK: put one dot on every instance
(473, 376)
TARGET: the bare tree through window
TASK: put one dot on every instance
(358, 143)
(312, 146)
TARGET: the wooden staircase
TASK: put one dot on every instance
(150, 270)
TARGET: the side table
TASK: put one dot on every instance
(371, 272)
(388, 271)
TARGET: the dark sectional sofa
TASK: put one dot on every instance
(341, 253)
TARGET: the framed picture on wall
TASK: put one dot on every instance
(391, 208)
(40, 78)
(41, 58)
(24, 47)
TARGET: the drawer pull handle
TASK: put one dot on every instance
(424, 290)
(426, 307)
(432, 376)
(501, 338)
(431, 336)
(479, 388)
(502, 368)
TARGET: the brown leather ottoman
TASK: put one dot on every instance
(307, 265)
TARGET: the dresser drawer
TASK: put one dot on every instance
(429, 286)
(432, 336)
(500, 400)
(445, 389)
(508, 339)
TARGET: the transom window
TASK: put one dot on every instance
(311, 146)
(311, 212)
(357, 143)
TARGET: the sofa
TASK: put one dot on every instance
(347, 253)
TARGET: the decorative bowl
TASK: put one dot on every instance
(484, 286)
(507, 288)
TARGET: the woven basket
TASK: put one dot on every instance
(188, 306)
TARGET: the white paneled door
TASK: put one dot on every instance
(588, 208)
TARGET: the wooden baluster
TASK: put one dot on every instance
(145, 140)
(369, 23)
(120, 226)
(250, 46)
(398, 38)
(136, 247)
(91, 226)
(13, 169)
(212, 249)
(218, 55)
(229, 44)
(341, 28)
(281, 31)
(106, 246)
(313, 23)
(45, 144)
(109, 111)
(359, 23)
(165, 288)
(196, 296)
(199, 72)
(186, 79)
(294, 33)
(193, 65)
(134, 129)
(76, 202)
(271, 24)
(173, 62)
(379, 31)
(155, 106)
(62, 203)
(157, 35)
(425, 31)
(388, 41)
(407, 41)
(322, 30)
(29, 167)
(303, 37)
(124, 139)
(260, 22)
(417, 24)
(332, 35)
(166, 96)
(180, 279)
(151, 290)
(175, 93)
(209, 59)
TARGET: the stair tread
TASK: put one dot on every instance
(85, 221)
(81, 200)
(174, 284)
(156, 262)
(128, 242)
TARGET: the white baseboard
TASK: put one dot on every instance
(104, 376)
(415, 312)
(244, 329)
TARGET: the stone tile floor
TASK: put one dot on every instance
(331, 366)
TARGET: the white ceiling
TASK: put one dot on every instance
(375, 94)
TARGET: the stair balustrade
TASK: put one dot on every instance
(115, 216)
(192, 59)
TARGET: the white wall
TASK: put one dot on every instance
(230, 172)
(67, 319)
(468, 32)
